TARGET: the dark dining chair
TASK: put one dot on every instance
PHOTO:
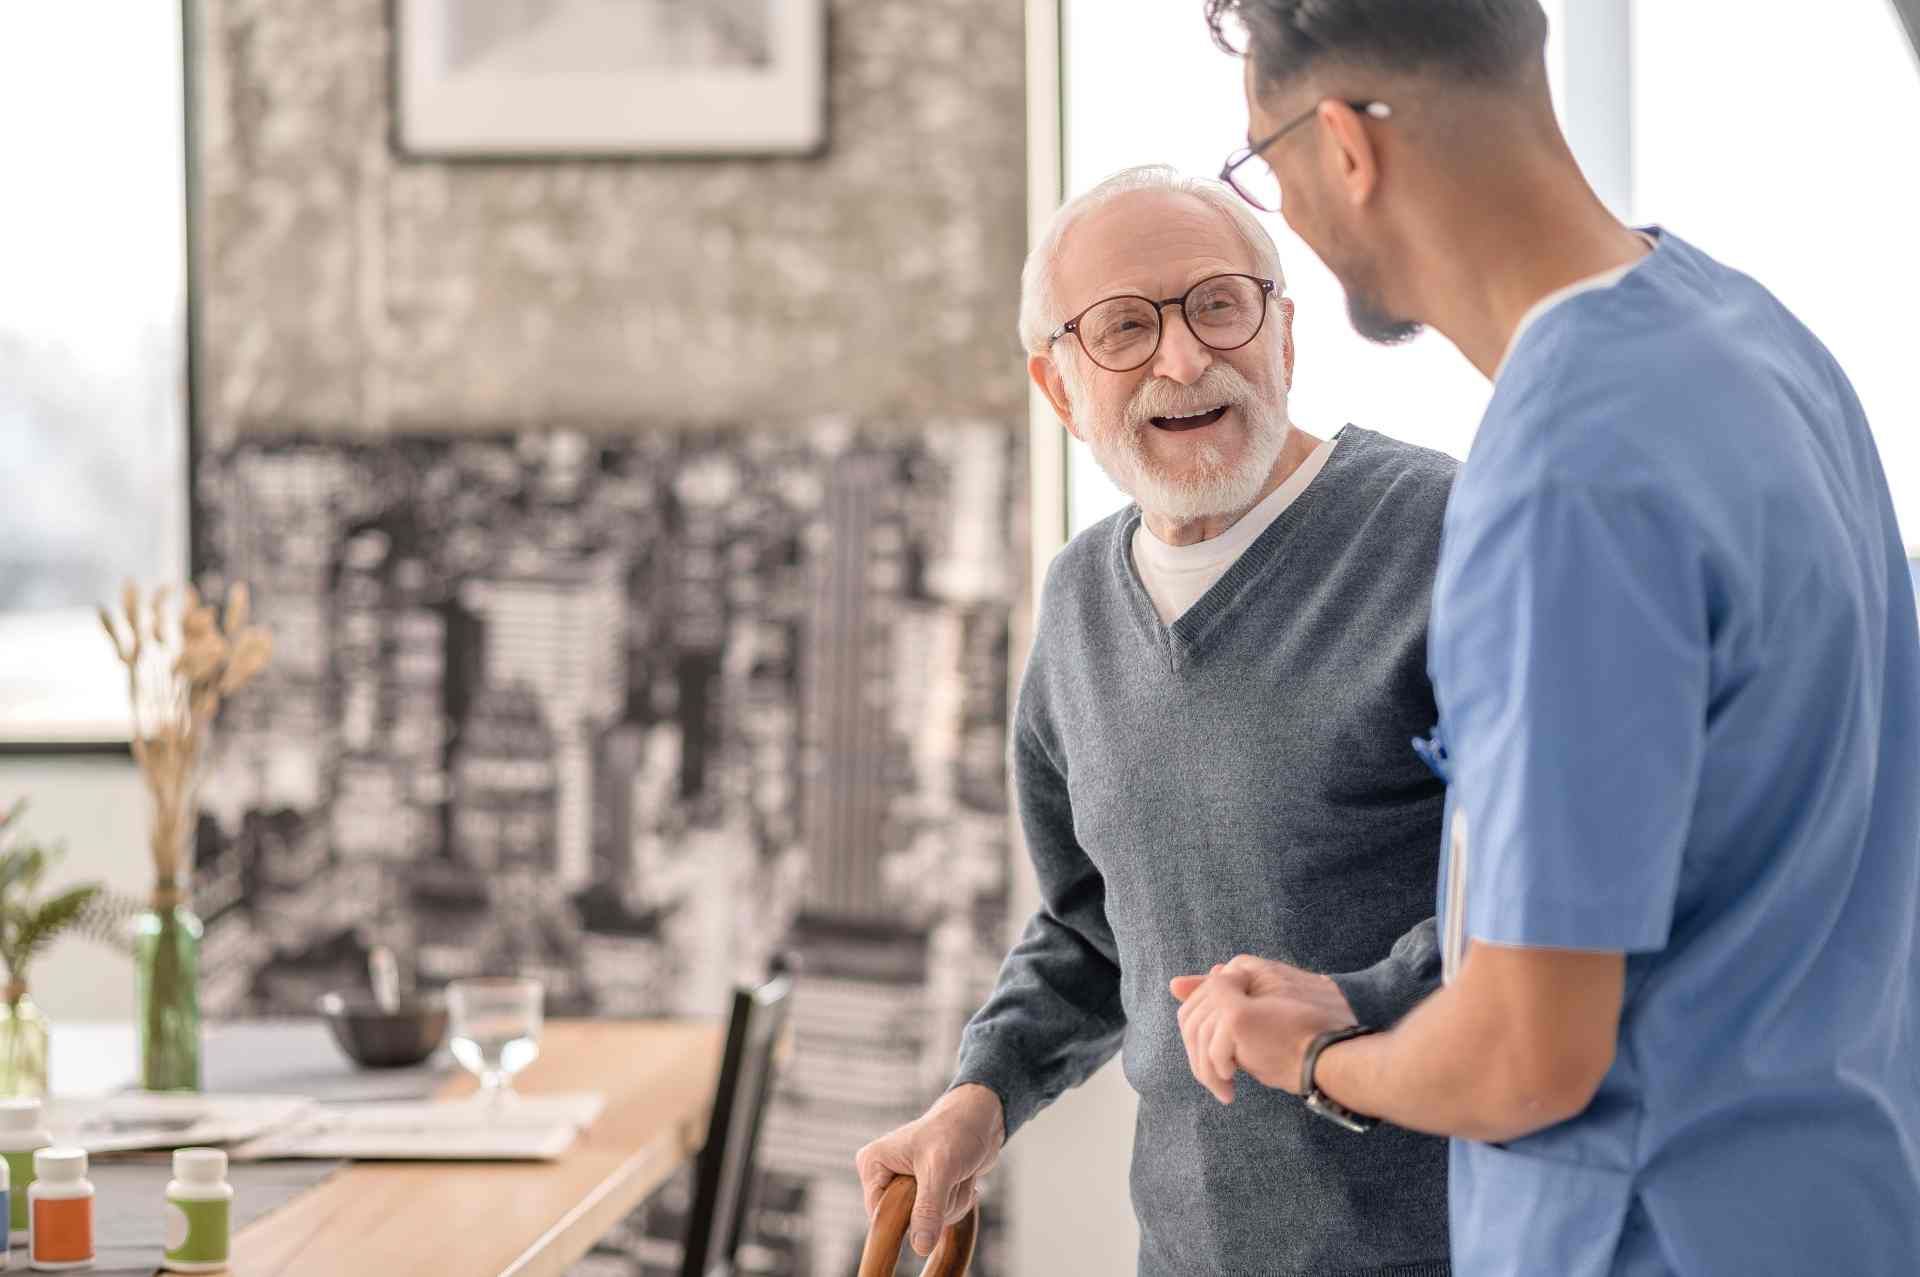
(724, 1175)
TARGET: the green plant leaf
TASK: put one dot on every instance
(28, 926)
(31, 928)
(108, 920)
(21, 867)
(11, 916)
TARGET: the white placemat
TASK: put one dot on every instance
(520, 1128)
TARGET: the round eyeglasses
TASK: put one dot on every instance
(1223, 312)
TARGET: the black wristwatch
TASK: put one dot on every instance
(1319, 1103)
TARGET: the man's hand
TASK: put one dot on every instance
(947, 1150)
(1256, 1015)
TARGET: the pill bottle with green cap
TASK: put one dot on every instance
(199, 1204)
(60, 1210)
(22, 1133)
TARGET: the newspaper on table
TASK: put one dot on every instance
(137, 1121)
(257, 1127)
(517, 1128)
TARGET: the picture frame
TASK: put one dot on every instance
(545, 79)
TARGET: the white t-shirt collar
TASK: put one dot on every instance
(1176, 576)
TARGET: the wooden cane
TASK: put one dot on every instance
(951, 1255)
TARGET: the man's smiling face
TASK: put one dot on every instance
(1194, 432)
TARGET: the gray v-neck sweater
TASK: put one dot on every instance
(1239, 781)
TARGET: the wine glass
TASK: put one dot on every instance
(495, 1025)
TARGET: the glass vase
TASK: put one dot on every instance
(23, 1048)
(166, 959)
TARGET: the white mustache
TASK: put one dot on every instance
(1158, 397)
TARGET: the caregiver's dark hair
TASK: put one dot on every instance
(1479, 42)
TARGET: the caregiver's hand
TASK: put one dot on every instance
(947, 1149)
(1256, 1015)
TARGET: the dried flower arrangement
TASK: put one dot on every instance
(178, 673)
(176, 678)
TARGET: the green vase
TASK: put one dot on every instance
(23, 1047)
(166, 958)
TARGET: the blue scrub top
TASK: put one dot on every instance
(1678, 669)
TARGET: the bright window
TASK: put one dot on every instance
(93, 483)
(1781, 145)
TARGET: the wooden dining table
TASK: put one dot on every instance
(522, 1219)
(526, 1219)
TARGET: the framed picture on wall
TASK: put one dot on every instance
(534, 78)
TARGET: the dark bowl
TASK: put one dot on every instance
(385, 1039)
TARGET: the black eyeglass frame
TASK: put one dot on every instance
(1267, 292)
(1372, 109)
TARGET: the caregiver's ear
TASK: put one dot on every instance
(1348, 149)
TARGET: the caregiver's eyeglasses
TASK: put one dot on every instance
(1223, 312)
(1254, 180)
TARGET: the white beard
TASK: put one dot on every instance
(1211, 487)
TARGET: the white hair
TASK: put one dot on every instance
(1039, 309)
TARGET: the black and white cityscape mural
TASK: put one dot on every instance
(634, 706)
(631, 713)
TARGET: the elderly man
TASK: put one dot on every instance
(1210, 753)
(1675, 654)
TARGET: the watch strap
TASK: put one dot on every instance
(1319, 1102)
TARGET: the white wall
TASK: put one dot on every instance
(97, 807)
